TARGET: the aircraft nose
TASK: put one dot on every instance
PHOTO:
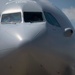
(14, 36)
(27, 33)
(68, 32)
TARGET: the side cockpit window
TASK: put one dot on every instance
(11, 18)
(51, 19)
(33, 17)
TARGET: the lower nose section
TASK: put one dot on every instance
(11, 46)
(11, 43)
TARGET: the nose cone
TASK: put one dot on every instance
(29, 32)
(13, 36)
(68, 32)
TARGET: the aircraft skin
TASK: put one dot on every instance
(36, 48)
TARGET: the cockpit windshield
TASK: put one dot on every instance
(33, 17)
(11, 18)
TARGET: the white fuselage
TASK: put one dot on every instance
(35, 47)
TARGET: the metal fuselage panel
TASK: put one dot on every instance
(36, 48)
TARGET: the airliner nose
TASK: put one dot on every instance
(29, 32)
(14, 36)
(68, 32)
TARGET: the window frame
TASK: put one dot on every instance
(10, 14)
(33, 21)
(48, 13)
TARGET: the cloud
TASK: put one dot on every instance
(70, 13)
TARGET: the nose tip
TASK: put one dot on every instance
(68, 32)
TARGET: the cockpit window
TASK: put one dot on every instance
(11, 18)
(33, 17)
(51, 19)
